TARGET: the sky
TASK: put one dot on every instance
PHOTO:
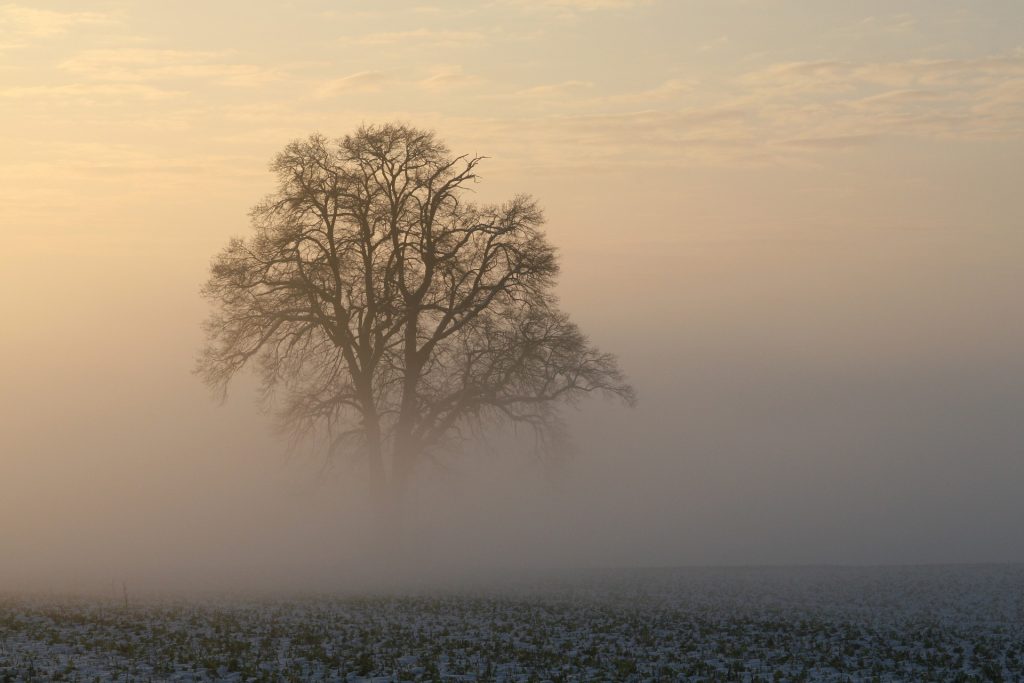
(798, 224)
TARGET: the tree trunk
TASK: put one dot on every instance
(405, 448)
(375, 457)
(402, 467)
(374, 443)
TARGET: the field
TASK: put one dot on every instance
(753, 624)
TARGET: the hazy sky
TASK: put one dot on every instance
(799, 224)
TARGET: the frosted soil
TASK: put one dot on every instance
(956, 623)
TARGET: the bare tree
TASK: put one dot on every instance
(389, 314)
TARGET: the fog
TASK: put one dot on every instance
(826, 343)
(873, 417)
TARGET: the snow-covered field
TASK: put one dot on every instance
(757, 624)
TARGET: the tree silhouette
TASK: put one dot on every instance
(390, 315)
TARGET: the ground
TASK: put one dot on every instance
(755, 624)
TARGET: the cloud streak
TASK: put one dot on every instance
(22, 21)
(90, 93)
(360, 82)
(143, 65)
(577, 5)
(420, 37)
(953, 98)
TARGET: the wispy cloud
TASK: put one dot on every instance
(553, 89)
(844, 76)
(872, 26)
(420, 37)
(714, 44)
(667, 91)
(363, 81)
(789, 113)
(142, 64)
(89, 93)
(19, 20)
(966, 98)
(638, 139)
(437, 78)
(449, 77)
(577, 5)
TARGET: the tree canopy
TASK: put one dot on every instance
(390, 315)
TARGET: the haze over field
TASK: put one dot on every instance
(797, 224)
